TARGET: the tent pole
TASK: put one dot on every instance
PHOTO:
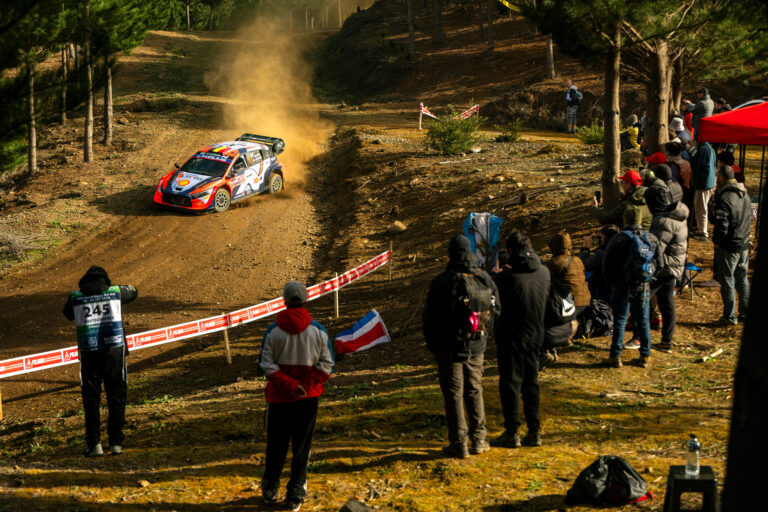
(760, 198)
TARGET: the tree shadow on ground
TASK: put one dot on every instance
(549, 502)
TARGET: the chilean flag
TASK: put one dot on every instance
(367, 332)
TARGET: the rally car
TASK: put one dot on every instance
(224, 173)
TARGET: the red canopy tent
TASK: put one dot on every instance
(743, 126)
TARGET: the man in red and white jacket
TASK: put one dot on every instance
(297, 357)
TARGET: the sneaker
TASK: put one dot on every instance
(115, 449)
(457, 451)
(663, 346)
(96, 451)
(613, 362)
(293, 504)
(644, 361)
(507, 440)
(727, 322)
(700, 236)
(633, 344)
(656, 323)
(269, 496)
(532, 439)
(479, 447)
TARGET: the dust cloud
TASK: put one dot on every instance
(266, 78)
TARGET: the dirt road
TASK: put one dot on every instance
(185, 266)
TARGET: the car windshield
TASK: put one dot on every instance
(206, 166)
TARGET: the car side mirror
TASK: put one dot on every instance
(176, 165)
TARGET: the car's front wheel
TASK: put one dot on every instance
(221, 200)
(275, 183)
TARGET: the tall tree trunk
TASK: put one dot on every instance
(107, 102)
(88, 143)
(745, 470)
(480, 18)
(306, 18)
(677, 85)
(550, 58)
(326, 18)
(32, 130)
(411, 42)
(339, 5)
(189, 24)
(656, 132)
(290, 19)
(670, 103)
(612, 123)
(210, 21)
(438, 8)
(491, 5)
(64, 70)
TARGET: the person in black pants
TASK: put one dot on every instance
(297, 357)
(96, 310)
(523, 289)
(459, 361)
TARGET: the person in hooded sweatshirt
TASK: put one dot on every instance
(297, 357)
(459, 361)
(664, 173)
(670, 226)
(523, 289)
(96, 310)
(731, 231)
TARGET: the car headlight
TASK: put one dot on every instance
(199, 195)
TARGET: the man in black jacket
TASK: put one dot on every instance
(629, 292)
(524, 284)
(459, 362)
(96, 310)
(733, 215)
(599, 288)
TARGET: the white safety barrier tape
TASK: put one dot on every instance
(467, 113)
(155, 337)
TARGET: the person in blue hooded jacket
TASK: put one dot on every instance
(703, 167)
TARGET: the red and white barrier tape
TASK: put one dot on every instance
(467, 113)
(155, 337)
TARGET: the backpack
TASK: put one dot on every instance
(608, 480)
(561, 307)
(471, 303)
(640, 265)
(596, 320)
(576, 97)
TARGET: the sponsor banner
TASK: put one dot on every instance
(156, 337)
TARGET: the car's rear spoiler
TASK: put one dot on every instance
(277, 145)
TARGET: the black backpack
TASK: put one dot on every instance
(561, 307)
(471, 303)
(608, 480)
(596, 320)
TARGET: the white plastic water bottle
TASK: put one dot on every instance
(692, 448)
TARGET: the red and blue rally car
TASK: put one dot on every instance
(224, 173)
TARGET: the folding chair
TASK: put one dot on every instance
(689, 274)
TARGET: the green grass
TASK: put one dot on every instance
(452, 136)
(510, 132)
(162, 399)
(591, 134)
(13, 153)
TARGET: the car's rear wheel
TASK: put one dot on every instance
(221, 200)
(275, 183)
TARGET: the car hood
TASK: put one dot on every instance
(185, 182)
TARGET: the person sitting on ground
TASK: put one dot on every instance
(632, 196)
(519, 332)
(297, 358)
(459, 355)
(623, 267)
(599, 288)
(678, 126)
(671, 229)
(727, 158)
(568, 271)
(630, 136)
(730, 234)
(664, 173)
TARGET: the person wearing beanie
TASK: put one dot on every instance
(670, 227)
(730, 235)
(631, 292)
(629, 138)
(664, 173)
(96, 309)
(460, 354)
(633, 195)
(297, 358)
(523, 288)
(699, 110)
